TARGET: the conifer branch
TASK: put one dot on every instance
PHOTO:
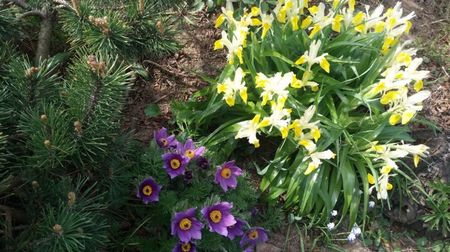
(37, 13)
(94, 100)
(21, 3)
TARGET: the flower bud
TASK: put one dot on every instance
(160, 26)
(77, 127)
(35, 184)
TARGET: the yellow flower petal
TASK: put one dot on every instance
(370, 179)
(358, 18)
(243, 94)
(230, 101)
(316, 29)
(294, 22)
(389, 97)
(284, 132)
(336, 24)
(360, 28)
(386, 169)
(394, 119)
(306, 22)
(379, 27)
(219, 21)
(313, 9)
(325, 65)
(256, 22)
(316, 134)
(389, 186)
(416, 159)
(255, 11)
(311, 168)
(301, 60)
(221, 88)
(407, 116)
(418, 85)
(218, 44)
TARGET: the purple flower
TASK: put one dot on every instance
(236, 229)
(226, 175)
(202, 162)
(148, 190)
(184, 247)
(254, 236)
(175, 164)
(219, 217)
(188, 150)
(164, 140)
(186, 226)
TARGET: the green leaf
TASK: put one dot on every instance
(152, 110)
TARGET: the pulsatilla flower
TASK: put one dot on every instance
(226, 175)
(175, 164)
(249, 129)
(148, 190)
(202, 163)
(163, 139)
(219, 217)
(188, 150)
(186, 226)
(253, 237)
(184, 247)
(236, 229)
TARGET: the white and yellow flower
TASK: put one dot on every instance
(316, 160)
(230, 87)
(249, 129)
(273, 87)
(280, 117)
(311, 57)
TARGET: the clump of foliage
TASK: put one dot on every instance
(438, 217)
(333, 88)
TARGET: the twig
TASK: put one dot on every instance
(443, 68)
(21, 3)
(166, 70)
(32, 13)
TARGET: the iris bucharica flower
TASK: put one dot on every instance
(175, 164)
(188, 149)
(219, 217)
(253, 237)
(148, 190)
(226, 175)
(236, 229)
(164, 140)
(186, 226)
(184, 247)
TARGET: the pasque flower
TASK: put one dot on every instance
(184, 247)
(175, 164)
(189, 150)
(148, 190)
(219, 217)
(253, 237)
(226, 175)
(163, 139)
(186, 226)
(202, 163)
(236, 229)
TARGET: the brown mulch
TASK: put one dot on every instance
(174, 77)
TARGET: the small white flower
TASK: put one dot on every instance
(356, 230)
(371, 204)
(330, 226)
(334, 213)
(351, 237)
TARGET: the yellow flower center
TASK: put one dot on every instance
(225, 173)
(186, 247)
(175, 164)
(164, 141)
(185, 224)
(253, 235)
(189, 153)
(215, 216)
(147, 190)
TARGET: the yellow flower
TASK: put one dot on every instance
(336, 25)
(306, 22)
(370, 179)
(394, 119)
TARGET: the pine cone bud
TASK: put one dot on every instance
(141, 7)
(57, 229)
(77, 126)
(30, 71)
(160, 26)
(47, 143)
(44, 118)
(35, 184)
(96, 66)
(71, 196)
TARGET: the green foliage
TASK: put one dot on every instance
(438, 218)
(317, 96)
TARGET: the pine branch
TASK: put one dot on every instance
(45, 35)
(37, 13)
(94, 100)
(21, 3)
